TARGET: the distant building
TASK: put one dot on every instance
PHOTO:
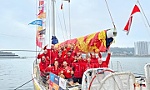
(142, 48)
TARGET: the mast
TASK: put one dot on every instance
(53, 17)
(54, 39)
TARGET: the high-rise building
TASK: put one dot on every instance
(142, 48)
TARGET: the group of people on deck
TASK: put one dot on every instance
(69, 63)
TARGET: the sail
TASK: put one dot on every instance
(96, 42)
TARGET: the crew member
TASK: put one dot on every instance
(42, 66)
(103, 64)
(78, 71)
(54, 69)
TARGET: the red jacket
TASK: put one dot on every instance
(53, 70)
(78, 69)
(60, 60)
(64, 52)
(94, 60)
(43, 67)
(40, 55)
(48, 61)
(52, 54)
(67, 72)
(69, 59)
(87, 66)
(104, 63)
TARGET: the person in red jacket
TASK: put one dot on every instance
(42, 66)
(60, 59)
(103, 64)
(54, 69)
(52, 53)
(94, 59)
(67, 71)
(43, 54)
(88, 64)
(78, 71)
(69, 58)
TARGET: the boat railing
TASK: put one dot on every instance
(118, 81)
(36, 70)
(118, 67)
(93, 77)
(106, 79)
(37, 77)
(147, 75)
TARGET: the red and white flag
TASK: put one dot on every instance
(128, 25)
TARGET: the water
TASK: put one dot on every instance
(133, 64)
(15, 72)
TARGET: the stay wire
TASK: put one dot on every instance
(143, 13)
(60, 23)
(64, 22)
(110, 14)
(61, 27)
(144, 16)
(69, 20)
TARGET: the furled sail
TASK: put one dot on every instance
(96, 42)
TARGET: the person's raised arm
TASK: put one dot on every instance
(108, 58)
(99, 54)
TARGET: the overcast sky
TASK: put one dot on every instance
(87, 16)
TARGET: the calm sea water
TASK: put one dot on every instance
(15, 72)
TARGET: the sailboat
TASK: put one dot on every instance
(93, 78)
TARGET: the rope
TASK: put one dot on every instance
(110, 14)
(24, 84)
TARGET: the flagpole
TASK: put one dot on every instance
(36, 33)
(53, 17)
(48, 22)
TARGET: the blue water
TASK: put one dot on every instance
(15, 72)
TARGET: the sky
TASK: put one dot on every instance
(86, 16)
